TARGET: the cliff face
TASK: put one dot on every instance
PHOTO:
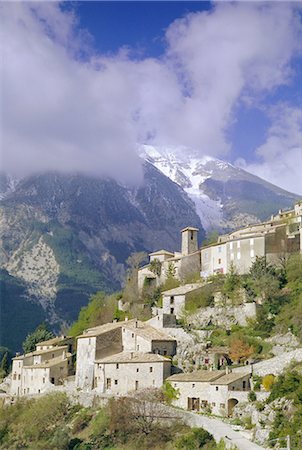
(64, 237)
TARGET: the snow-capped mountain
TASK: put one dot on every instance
(225, 196)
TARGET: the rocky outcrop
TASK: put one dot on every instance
(223, 316)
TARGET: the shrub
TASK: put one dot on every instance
(252, 397)
(197, 438)
(268, 381)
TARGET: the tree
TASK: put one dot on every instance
(41, 333)
(240, 349)
(155, 267)
(232, 283)
(100, 310)
(263, 279)
(4, 366)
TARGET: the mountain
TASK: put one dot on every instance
(63, 237)
(226, 197)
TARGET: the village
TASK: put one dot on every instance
(118, 358)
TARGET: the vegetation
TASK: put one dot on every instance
(53, 423)
(100, 310)
(41, 333)
(288, 386)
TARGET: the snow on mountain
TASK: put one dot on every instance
(226, 197)
(189, 172)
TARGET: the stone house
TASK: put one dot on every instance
(183, 263)
(276, 238)
(129, 371)
(174, 300)
(37, 372)
(210, 391)
(115, 338)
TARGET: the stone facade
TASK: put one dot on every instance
(174, 300)
(127, 372)
(37, 372)
(275, 239)
(210, 391)
(119, 338)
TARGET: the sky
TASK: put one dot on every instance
(82, 83)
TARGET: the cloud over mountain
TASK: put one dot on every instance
(66, 107)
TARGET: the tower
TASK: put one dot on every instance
(189, 240)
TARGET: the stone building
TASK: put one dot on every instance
(276, 238)
(210, 391)
(174, 300)
(183, 263)
(129, 371)
(117, 338)
(39, 371)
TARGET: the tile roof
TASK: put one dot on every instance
(199, 375)
(230, 378)
(49, 363)
(161, 252)
(133, 357)
(185, 289)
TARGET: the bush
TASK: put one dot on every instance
(268, 381)
(252, 397)
(197, 438)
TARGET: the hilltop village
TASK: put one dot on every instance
(129, 355)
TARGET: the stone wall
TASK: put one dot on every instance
(223, 316)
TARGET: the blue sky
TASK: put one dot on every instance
(84, 82)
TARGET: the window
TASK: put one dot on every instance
(244, 385)
(193, 385)
(165, 352)
(52, 355)
(14, 376)
(89, 342)
(217, 388)
(219, 261)
(150, 369)
(115, 382)
(171, 310)
(108, 383)
(192, 235)
(172, 299)
(117, 366)
(43, 380)
(213, 404)
(19, 377)
(137, 347)
(132, 335)
(136, 385)
(222, 405)
(137, 369)
(206, 361)
(175, 385)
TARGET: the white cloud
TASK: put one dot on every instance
(63, 112)
(281, 155)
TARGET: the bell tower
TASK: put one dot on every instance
(189, 240)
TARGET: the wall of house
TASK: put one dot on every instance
(35, 380)
(86, 351)
(164, 348)
(133, 342)
(243, 252)
(128, 377)
(175, 303)
(189, 265)
(143, 273)
(16, 378)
